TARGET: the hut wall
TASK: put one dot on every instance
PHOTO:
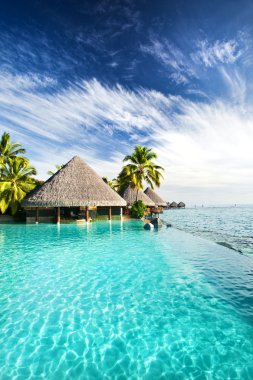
(46, 215)
(102, 213)
(6, 219)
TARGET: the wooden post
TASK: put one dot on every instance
(37, 215)
(58, 218)
(110, 213)
(87, 214)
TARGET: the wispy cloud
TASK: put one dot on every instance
(218, 52)
(22, 53)
(113, 64)
(204, 146)
(185, 66)
(171, 57)
(236, 85)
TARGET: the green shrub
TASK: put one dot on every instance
(137, 210)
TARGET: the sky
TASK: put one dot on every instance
(96, 78)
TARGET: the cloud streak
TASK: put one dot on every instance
(170, 57)
(219, 52)
(202, 145)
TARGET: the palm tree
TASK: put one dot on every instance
(140, 169)
(58, 167)
(8, 150)
(113, 183)
(15, 183)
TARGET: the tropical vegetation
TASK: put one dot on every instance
(114, 184)
(140, 168)
(138, 209)
(16, 175)
(57, 167)
(8, 150)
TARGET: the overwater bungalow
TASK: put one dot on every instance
(76, 192)
(129, 194)
(173, 205)
(160, 204)
(181, 205)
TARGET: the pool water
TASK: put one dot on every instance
(113, 301)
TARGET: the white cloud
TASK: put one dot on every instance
(172, 58)
(219, 52)
(236, 84)
(205, 147)
(113, 64)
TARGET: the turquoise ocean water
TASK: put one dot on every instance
(113, 301)
(230, 225)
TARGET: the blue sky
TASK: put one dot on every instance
(95, 78)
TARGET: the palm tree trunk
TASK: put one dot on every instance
(137, 195)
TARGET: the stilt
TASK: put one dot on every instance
(58, 218)
(121, 213)
(110, 213)
(37, 215)
(87, 214)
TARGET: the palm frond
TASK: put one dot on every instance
(140, 168)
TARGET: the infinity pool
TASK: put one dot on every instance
(113, 301)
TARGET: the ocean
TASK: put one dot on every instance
(228, 226)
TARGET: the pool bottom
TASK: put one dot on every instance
(112, 301)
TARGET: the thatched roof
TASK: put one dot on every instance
(129, 194)
(75, 184)
(155, 197)
(181, 204)
(173, 204)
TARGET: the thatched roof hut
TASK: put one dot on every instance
(173, 205)
(129, 194)
(181, 205)
(75, 184)
(159, 202)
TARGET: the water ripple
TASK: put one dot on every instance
(228, 226)
(118, 302)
